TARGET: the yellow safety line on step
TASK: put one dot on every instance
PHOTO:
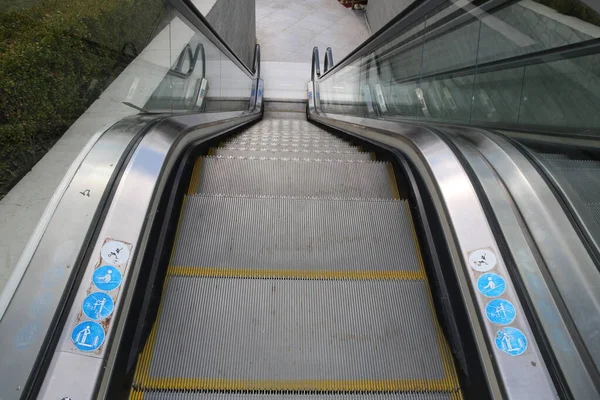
(391, 385)
(393, 183)
(142, 371)
(451, 378)
(143, 381)
(135, 394)
(175, 241)
(195, 179)
(294, 274)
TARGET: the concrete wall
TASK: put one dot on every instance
(380, 12)
(235, 22)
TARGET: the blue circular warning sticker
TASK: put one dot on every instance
(88, 336)
(511, 340)
(98, 305)
(491, 285)
(500, 311)
(107, 278)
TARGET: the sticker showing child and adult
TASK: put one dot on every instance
(98, 306)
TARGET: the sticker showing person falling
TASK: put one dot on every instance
(482, 260)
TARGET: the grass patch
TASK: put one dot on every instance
(56, 58)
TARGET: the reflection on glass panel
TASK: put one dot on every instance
(448, 98)
(343, 93)
(456, 48)
(529, 63)
(562, 93)
(497, 96)
(200, 78)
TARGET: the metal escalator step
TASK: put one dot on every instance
(582, 175)
(296, 335)
(553, 156)
(169, 395)
(595, 210)
(575, 164)
(297, 237)
(287, 153)
(295, 177)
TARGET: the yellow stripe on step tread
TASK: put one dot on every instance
(195, 179)
(393, 183)
(404, 385)
(293, 274)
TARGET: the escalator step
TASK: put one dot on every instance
(287, 153)
(582, 175)
(168, 395)
(293, 335)
(568, 164)
(250, 236)
(295, 177)
(553, 156)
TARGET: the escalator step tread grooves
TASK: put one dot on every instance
(295, 277)
(277, 396)
(295, 177)
(296, 234)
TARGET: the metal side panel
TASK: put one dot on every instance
(567, 260)
(278, 334)
(32, 296)
(296, 177)
(300, 237)
(133, 205)
(514, 371)
(265, 152)
(532, 271)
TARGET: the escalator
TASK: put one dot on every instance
(400, 233)
(296, 269)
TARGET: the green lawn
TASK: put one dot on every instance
(56, 57)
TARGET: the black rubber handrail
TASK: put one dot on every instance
(192, 58)
(328, 61)
(316, 69)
